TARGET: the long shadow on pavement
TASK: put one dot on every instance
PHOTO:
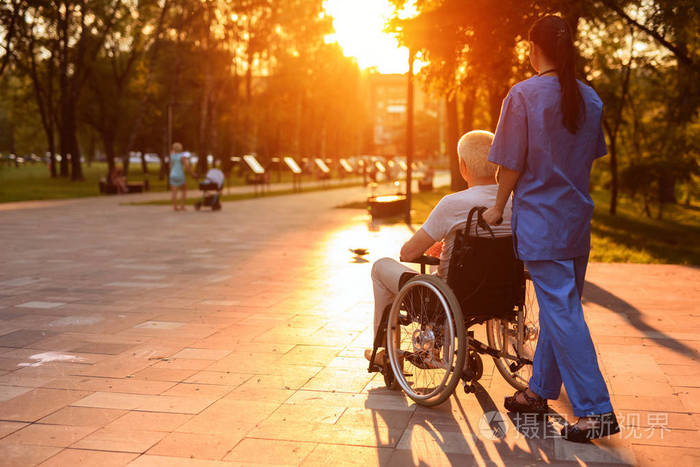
(596, 294)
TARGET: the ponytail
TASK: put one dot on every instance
(553, 36)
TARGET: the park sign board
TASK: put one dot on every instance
(254, 164)
(322, 165)
(292, 164)
(346, 165)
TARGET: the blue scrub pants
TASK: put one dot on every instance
(565, 351)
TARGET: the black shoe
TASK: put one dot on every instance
(606, 425)
(535, 405)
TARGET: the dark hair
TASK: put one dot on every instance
(553, 35)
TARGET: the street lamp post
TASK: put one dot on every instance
(409, 134)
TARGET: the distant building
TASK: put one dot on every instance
(387, 95)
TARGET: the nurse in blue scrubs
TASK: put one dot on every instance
(548, 135)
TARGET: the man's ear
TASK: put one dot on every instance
(463, 168)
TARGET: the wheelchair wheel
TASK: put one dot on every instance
(426, 342)
(516, 339)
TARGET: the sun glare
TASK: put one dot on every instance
(359, 30)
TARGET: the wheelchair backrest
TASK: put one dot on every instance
(484, 273)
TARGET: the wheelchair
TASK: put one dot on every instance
(426, 330)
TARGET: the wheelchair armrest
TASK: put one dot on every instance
(423, 260)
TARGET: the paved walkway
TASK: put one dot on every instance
(144, 336)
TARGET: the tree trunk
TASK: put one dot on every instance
(108, 144)
(125, 164)
(468, 105)
(496, 96)
(409, 134)
(667, 188)
(456, 181)
(52, 154)
(204, 122)
(613, 175)
(69, 140)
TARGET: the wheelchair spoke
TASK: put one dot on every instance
(422, 340)
(516, 343)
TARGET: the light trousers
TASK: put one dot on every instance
(565, 352)
(386, 273)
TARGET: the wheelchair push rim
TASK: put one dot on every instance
(426, 340)
(516, 340)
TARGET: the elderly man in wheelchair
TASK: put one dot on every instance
(422, 340)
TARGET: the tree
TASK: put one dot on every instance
(111, 91)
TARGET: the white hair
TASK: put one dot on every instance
(473, 149)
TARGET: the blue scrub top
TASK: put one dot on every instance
(552, 208)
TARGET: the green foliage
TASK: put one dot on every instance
(627, 237)
(239, 76)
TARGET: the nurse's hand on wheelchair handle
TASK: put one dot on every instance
(493, 216)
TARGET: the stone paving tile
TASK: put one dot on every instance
(203, 354)
(259, 394)
(326, 433)
(264, 451)
(183, 364)
(83, 416)
(662, 455)
(149, 421)
(403, 457)
(10, 392)
(23, 338)
(212, 391)
(331, 379)
(309, 355)
(196, 445)
(50, 435)
(690, 398)
(37, 404)
(269, 361)
(103, 348)
(40, 305)
(395, 401)
(130, 440)
(87, 457)
(164, 374)
(167, 461)
(170, 404)
(21, 455)
(10, 427)
(129, 385)
(226, 416)
(218, 378)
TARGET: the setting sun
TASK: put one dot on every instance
(359, 30)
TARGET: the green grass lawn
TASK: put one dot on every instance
(32, 181)
(251, 195)
(628, 237)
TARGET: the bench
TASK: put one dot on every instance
(132, 187)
